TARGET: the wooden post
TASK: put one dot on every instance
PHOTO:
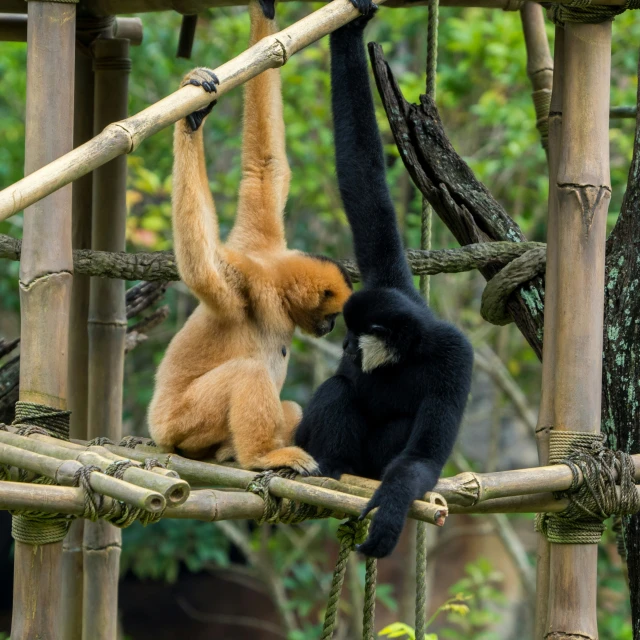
(539, 65)
(72, 563)
(46, 276)
(546, 414)
(107, 330)
(583, 191)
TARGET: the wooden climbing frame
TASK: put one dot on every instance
(56, 304)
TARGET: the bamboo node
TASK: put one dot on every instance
(593, 495)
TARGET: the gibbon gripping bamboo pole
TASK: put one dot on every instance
(45, 286)
(107, 331)
(125, 136)
(72, 564)
(583, 191)
(546, 415)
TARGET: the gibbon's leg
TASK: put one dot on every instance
(257, 422)
(265, 171)
(332, 429)
(292, 415)
(195, 224)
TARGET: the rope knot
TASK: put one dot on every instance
(352, 533)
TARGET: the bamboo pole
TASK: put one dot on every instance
(45, 286)
(13, 28)
(72, 563)
(107, 332)
(546, 415)
(583, 188)
(539, 65)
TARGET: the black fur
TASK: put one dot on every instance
(398, 422)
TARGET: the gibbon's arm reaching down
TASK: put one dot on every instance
(361, 167)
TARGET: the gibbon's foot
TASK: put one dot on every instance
(225, 453)
(207, 79)
(379, 544)
(292, 457)
(329, 470)
(268, 8)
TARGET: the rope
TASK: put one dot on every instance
(282, 510)
(36, 527)
(56, 421)
(117, 468)
(596, 499)
(518, 272)
(131, 442)
(99, 442)
(542, 106)
(421, 579)
(582, 11)
(350, 533)
(92, 501)
(369, 609)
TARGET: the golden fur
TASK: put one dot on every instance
(218, 387)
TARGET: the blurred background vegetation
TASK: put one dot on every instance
(233, 580)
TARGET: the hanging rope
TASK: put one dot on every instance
(350, 533)
(425, 289)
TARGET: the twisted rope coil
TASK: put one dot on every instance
(582, 11)
(603, 485)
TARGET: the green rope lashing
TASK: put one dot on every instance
(582, 11)
(350, 533)
(596, 499)
(55, 421)
(281, 510)
(369, 608)
(35, 527)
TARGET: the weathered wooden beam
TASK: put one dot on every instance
(13, 28)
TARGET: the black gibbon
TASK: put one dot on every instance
(394, 407)
(218, 387)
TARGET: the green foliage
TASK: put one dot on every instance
(471, 610)
(158, 551)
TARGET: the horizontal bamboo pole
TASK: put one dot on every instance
(63, 472)
(210, 505)
(174, 490)
(13, 28)
(207, 474)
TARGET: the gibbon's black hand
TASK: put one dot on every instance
(268, 8)
(393, 410)
(365, 7)
(208, 80)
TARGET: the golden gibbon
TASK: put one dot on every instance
(217, 389)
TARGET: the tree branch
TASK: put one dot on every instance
(161, 265)
(463, 203)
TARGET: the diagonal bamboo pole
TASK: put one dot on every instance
(583, 191)
(107, 331)
(72, 563)
(45, 286)
(126, 135)
(546, 415)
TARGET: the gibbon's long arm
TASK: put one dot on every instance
(360, 165)
(195, 225)
(265, 171)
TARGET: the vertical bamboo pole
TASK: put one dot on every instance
(539, 65)
(546, 414)
(46, 276)
(72, 563)
(107, 329)
(584, 192)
